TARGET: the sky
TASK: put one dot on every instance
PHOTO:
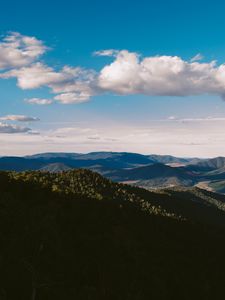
(136, 76)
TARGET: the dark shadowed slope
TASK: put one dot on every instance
(90, 184)
(76, 235)
(19, 164)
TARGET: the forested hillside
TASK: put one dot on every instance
(77, 235)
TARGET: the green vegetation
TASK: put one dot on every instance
(76, 235)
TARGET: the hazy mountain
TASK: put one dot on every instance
(216, 174)
(127, 159)
(218, 186)
(149, 172)
(50, 155)
(110, 160)
(156, 175)
(19, 164)
(208, 164)
(105, 159)
(168, 159)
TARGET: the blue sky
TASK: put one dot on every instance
(162, 113)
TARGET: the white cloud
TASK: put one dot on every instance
(161, 75)
(205, 119)
(19, 118)
(73, 85)
(69, 98)
(17, 50)
(38, 75)
(172, 118)
(8, 128)
(129, 73)
(39, 101)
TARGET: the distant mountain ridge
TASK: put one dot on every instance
(208, 164)
(154, 175)
(110, 160)
(125, 156)
(148, 171)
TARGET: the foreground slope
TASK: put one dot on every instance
(76, 235)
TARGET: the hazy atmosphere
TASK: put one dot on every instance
(115, 76)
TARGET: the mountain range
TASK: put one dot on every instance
(148, 171)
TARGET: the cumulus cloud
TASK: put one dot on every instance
(127, 74)
(17, 50)
(161, 75)
(9, 128)
(38, 75)
(39, 101)
(73, 85)
(19, 118)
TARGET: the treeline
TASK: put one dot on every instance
(76, 235)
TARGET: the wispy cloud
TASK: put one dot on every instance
(10, 129)
(19, 118)
(39, 101)
(205, 119)
(109, 52)
(191, 138)
(197, 57)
